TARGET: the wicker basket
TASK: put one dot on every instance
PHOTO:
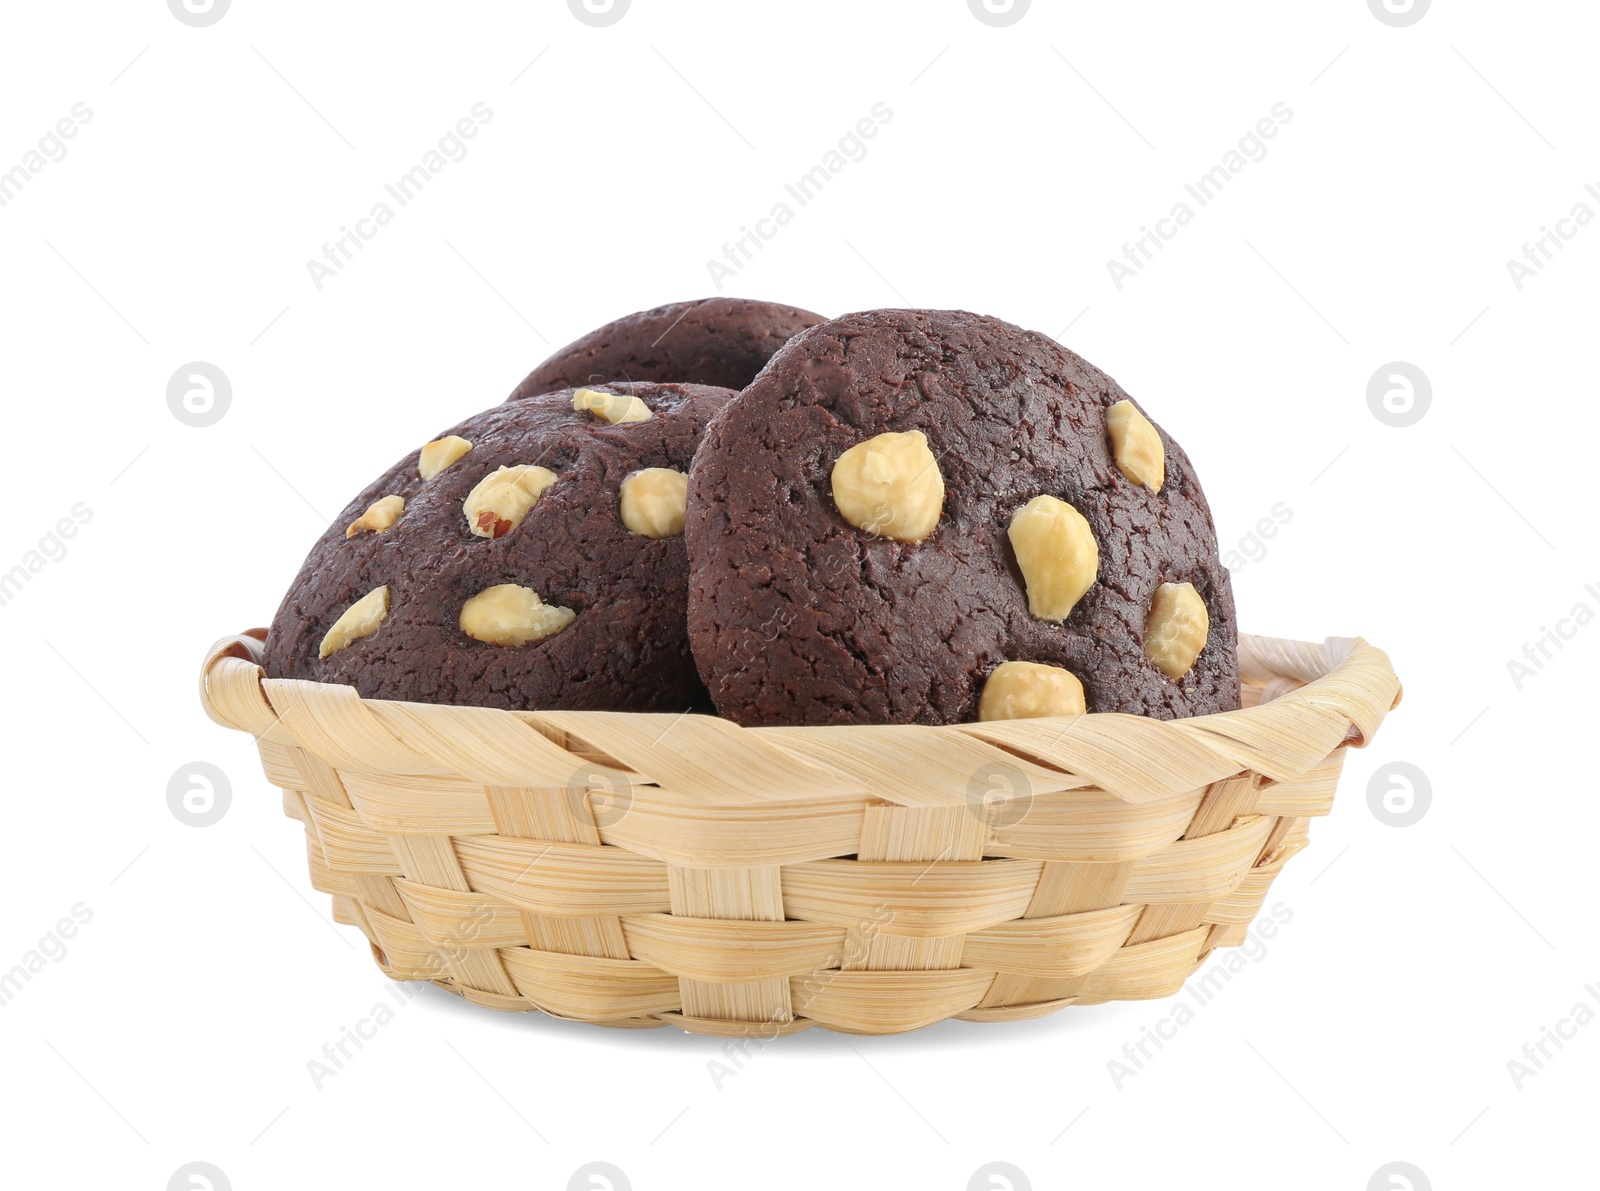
(641, 870)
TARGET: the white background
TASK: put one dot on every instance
(1377, 1027)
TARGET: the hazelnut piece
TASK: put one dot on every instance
(653, 502)
(1025, 690)
(612, 407)
(440, 454)
(890, 485)
(360, 619)
(1057, 553)
(1177, 629)
(508, 614)
(1136, 445)
(380, 515)
(498, 502)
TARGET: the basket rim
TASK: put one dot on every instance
(1304, 701)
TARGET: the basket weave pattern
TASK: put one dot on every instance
(641, 870)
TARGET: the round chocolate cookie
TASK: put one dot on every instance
(933, 517)
(531, 557)
(710, 341)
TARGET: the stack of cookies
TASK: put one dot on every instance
(745, 509)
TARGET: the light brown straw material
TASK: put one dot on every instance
(641, 870)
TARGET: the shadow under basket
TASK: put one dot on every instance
(643, 870)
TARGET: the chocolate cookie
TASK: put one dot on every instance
(531, 557)
(710, 341)
(934, 516)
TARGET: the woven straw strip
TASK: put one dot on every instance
(918, 766)
(1147, 971)
(919, 900)
(1204, 868)
(462, 919)
(590, 987)
(659, 824)
(1016, 1012)
(1057, 948)
(1161, 921)
(409, 804)
(887, 1002)
(729, 952)
(702, 758)
(1137, 759)
(1309, 794)
(732, 1029)
(490, 746)
(1070, 887)
(564, 879)
(1093, 827)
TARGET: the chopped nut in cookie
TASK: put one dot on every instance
(360, 619)
(1026, 690)
(498, 502)
(890, 485)
(440, 454)
(1177, 629)
(1057, 553)
(509, 614)
(1136, 445)
(612, 407)
(653, 502)
(380, 515)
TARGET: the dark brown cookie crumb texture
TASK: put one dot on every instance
(798, 617)
(626, 651)
(709, 341)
